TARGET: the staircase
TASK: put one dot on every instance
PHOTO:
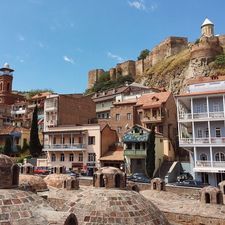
(163, 169)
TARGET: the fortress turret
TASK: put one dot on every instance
(207, 28)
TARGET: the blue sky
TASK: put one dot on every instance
(54, 43)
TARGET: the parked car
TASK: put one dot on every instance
(72, 173)
(41, 170)
(191, 183)
(139, 177)
(184, 176)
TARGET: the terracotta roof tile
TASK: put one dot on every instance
(116, 155)
(153, 99)
(201, 79)
(202, 93)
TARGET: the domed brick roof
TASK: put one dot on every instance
(57, 180)
(5, 161)
(34, 181)
(25, 208)
(114, 207)
(109, 170)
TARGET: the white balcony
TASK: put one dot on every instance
(209, 166)
(18, 112)
(65, 147)
(202, 141)
(200, 116)
(50, 108)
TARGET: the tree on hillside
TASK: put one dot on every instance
(150, 158)
(8, 146)
(144, 53)
(35, 145)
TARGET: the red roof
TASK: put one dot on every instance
(201, 79)
(152, 100)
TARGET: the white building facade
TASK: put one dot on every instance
(201, 128)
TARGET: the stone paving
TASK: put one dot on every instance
(171, 202)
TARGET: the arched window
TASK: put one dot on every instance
(53, 158)
(71, 220)
(8, 86)
(15, 175)
(220, 156)
(203, 157)
(62, 157)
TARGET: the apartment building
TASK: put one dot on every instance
(68, 109)
(135, 149)
(77, 147)
(201, 127)
(158, 109)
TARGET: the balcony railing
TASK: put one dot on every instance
(64, 147)
(201, 163)
(136, 152)
(214, 140)
(203, 115)
(152, 119)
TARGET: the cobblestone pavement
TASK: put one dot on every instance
(171, 202)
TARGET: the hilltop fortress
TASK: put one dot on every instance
(202, 52)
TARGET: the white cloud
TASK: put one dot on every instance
(141, 5)
(113, 56)
(68, 59)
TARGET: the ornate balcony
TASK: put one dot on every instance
(135, 152)
(65, 147)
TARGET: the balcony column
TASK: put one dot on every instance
(193, 132)
(207, 105)
(211, 156)
(195, 156)
(191, 108)
(224, 105)
(209, 131)
(62, 140)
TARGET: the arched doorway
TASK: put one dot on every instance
(71, 220)
(102, 183)
(218, 198)
(72, 184)
(64, 183)
(28, 170)
(117, 180)
(15, 175)
(207, 198)
(161, 186)
(154, 186)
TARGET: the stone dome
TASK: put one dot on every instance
(109, 170)
(114, 207)
(5, 161)
(60, 180)
(9, 172)
(20, 207)
(34, 182)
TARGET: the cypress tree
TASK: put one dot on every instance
(35, 145)
(150, 157)
(25, 146)
(8, 146)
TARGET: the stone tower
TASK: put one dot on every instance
(6, 78)
(207, 28)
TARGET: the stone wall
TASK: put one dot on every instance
(186, 219)
(192, 193)
(126, 68)
(93, 76)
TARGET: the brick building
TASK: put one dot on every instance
(68, 109)
(158, 109)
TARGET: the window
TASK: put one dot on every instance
(203, 157)
(54, 140)
(53, 158)
(62, 157)
(137, 145)
(63, 140)
(199, 133)
(218, 132)
(154, 113)
(220, 156)
(198, 108)
(216, 107)
(119, 130)
(71, 158)
(128, 116)
(117, 117)
(91, 157)
(129, 146)
(207, 132)
(80, 157)
(91, 140)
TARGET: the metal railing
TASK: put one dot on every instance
(188, 116)
(202, 163)
(135, 152)
(214, 140)
(66, 146)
